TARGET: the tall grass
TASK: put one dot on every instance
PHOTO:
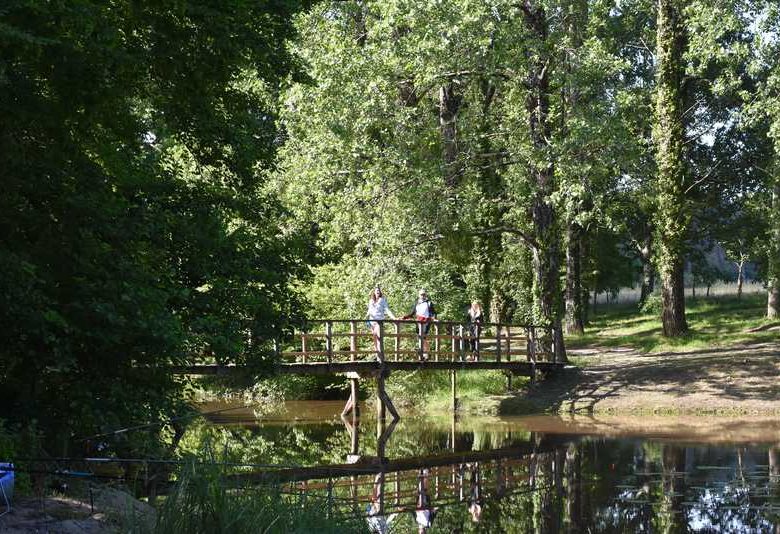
(204, 501)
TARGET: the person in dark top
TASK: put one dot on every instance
(474, 319)
(424, 313)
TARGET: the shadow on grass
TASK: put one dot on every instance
(711, 321)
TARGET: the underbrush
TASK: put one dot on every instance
(205, 501)
(431, 390)
(271, 390)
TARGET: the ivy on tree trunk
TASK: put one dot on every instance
(672, 215)
(546, 252)
(773, 275)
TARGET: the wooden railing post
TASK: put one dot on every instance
(508, 343)
(303, 342)
(461, 343)
(498, 342)
(436, 344)
(453, 342)
(419, 330)
(396, 342)
(329, 340)
(352, 340)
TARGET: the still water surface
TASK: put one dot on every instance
(518, 474)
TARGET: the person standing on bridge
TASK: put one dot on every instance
(378, 310)
(424, 313)
(474, 318)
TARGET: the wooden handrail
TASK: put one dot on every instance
(451, 340)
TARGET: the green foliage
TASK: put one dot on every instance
(204, 501)
(134, 231)
(652, 305)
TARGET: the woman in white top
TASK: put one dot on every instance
(378, 310)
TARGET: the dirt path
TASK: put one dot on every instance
(740, 380)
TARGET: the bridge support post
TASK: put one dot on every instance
(454, 390)
(352, 402)
(383, 399)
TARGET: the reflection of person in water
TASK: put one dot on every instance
(378, 522)
(475, 497)
(424, 512)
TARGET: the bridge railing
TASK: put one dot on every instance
(349, 340)
(401, 491)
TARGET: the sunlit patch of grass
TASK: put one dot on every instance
(712, 323)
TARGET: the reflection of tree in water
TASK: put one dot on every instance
(774, 484)
(668, 514)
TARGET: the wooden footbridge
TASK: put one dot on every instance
(354, 349)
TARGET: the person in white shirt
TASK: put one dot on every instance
(378, 310)
(424, 313)
(379, 521)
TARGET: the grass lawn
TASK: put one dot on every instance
(713, 322)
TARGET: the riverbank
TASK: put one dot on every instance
(109, 510)
(735, 380)
(728, 364)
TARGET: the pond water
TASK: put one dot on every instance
(515, 474)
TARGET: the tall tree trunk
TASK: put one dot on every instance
(740, 276)
(546, 253)
(773, 274)
(449, 104)
(648, 269)
(576, 16)
(672, 215)
(585, 279)
(490, 247)
(573, 293)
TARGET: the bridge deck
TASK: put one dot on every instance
(373, 368)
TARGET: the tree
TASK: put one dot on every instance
(762, 106)
(672, 216)
(135, 231)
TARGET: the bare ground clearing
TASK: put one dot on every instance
(743, 379)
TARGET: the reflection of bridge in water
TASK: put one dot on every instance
(380, 488)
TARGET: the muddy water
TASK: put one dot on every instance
(523, 474)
